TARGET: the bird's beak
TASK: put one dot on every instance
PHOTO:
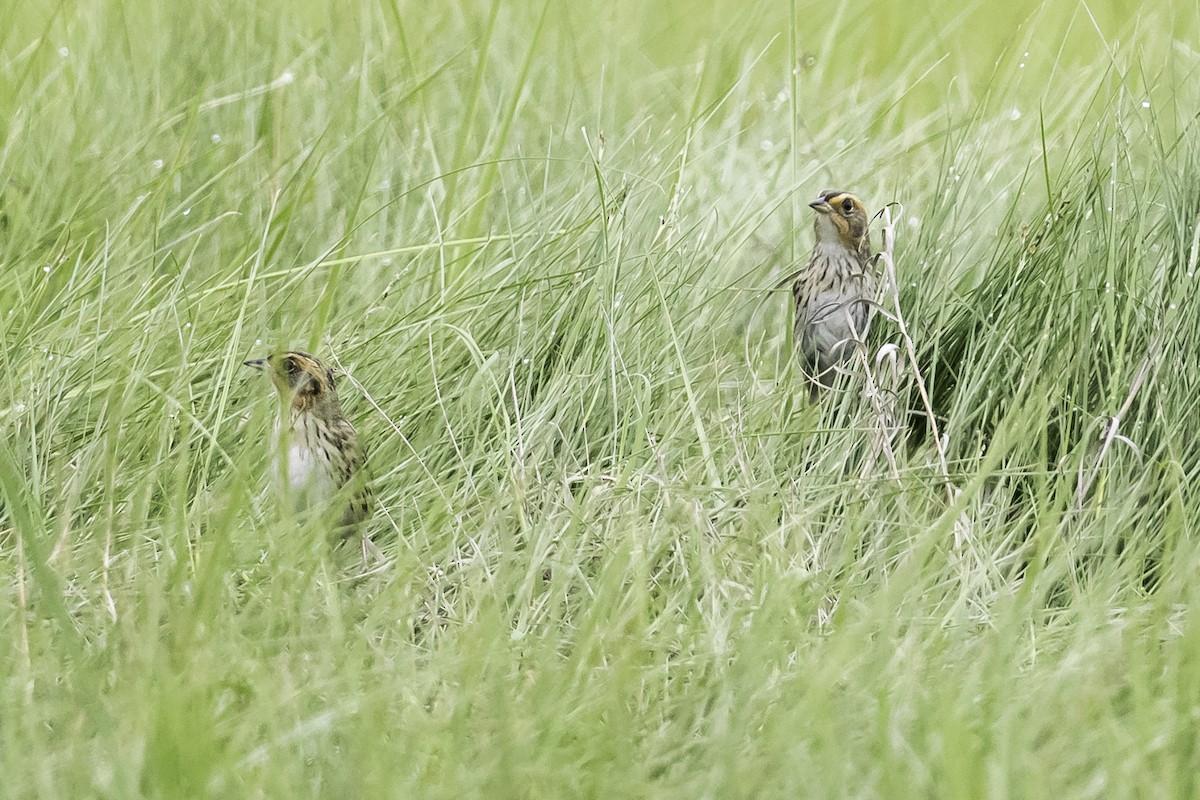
(259, 364)
(820, 206)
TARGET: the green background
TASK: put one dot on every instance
(624, 556)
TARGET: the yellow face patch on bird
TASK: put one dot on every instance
(298, 376)
(841, 218)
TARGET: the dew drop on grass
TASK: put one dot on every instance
(46, 269)
(258, 342)
(158, 163)
(1145, 104)
(766, 144)
(187, 211)
(1015, 114)
(63, 52)
(215, 138)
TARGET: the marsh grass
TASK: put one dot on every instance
(624, 557)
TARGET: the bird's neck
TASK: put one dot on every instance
(304, 408)
(828, 236)
(836, 252)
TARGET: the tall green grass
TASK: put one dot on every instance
(624, 557)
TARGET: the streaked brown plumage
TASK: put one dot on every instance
(318, 459)
(834, 292)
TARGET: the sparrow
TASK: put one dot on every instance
(834, 292)
(319, 465)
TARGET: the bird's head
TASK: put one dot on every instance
(842, 219)
(299, 377)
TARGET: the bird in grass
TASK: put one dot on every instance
(835, 291)
(318, 462)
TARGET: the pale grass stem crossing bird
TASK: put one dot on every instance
(834, 293)
(318, 463)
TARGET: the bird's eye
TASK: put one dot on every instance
(291, 366)
(847, 205)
